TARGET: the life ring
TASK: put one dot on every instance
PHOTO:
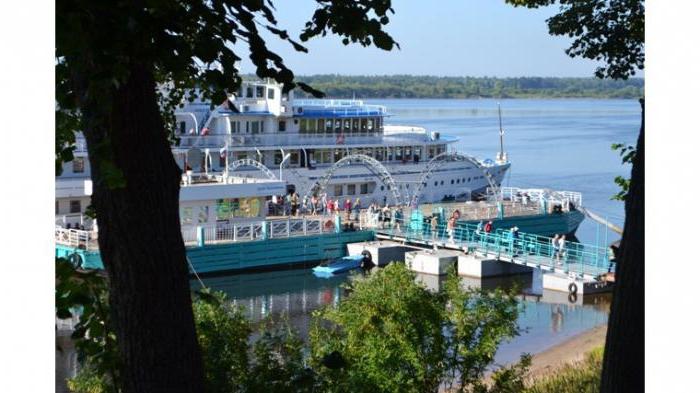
(76, 260)
(573, 288)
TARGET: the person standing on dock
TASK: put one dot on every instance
(324, 202)
(451, 228)
(356, 207)
(434, 227)
(314, 202)
(555, 246)
(562, 247)
(347, 206)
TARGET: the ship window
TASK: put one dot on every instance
(294, 158)
(338, 190)
(259, 91)
(364, 188)
(351, 189)
(329, 125)
(203, 215)
(182, 127)
(337, 125)
(337, 155)
(407, 153)
(356, 125)
(282, 124)
(464, 180)
(436, 183)
(469, 179)
(311, 125)
(78, 164)
(390, 153)
(399, 153)
(303, 125)
(379, 154)
(271, 94)
(75, 206)
(249, 92)
(326, 156)
(346, 125)
(457, 181)
(255, 127)
(381, 188)
(186, 215)
(442, 182)
(363, 125)
(370, 125)
(278, 157)
(241, 155)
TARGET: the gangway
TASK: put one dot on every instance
(582, 260)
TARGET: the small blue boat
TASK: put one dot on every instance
(343, 264)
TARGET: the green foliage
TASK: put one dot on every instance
(222, 333)
(581, 377)
(85, 293)
(414, 86)
(608, 31)
(627, 153)
(392, 334)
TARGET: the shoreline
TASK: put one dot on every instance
(570, 351)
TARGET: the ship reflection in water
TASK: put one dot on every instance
(548, 317)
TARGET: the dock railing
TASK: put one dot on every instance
(258, 230)
(75, 237)
(583, 260)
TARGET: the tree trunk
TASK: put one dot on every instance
(140, 240)
(623, 362)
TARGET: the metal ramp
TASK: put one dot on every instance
(582, 260)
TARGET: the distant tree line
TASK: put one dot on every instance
(410, 86)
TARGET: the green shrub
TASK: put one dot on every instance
(391, 334)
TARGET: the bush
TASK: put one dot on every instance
(391, 334)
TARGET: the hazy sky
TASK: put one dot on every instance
(446, 37)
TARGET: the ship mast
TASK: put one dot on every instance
(501, 155)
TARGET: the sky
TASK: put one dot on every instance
(445, 38)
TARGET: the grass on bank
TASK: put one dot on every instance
(579, 377)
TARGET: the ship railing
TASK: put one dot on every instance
(256, 230)
(562, 198)
(327, 102)
(75, 237)
(233, 141)
(583, 260)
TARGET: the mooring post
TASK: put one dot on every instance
(200, 236)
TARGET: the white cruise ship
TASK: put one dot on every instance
(345, 145)
(343, 148)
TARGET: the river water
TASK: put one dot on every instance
(558, 144)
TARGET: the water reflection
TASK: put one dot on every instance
(547, 318)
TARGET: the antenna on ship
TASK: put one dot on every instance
(501, 156)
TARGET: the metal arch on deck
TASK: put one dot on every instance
(370, 163)
(232, 166)
(442, 159)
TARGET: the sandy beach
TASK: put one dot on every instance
(571, 350)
